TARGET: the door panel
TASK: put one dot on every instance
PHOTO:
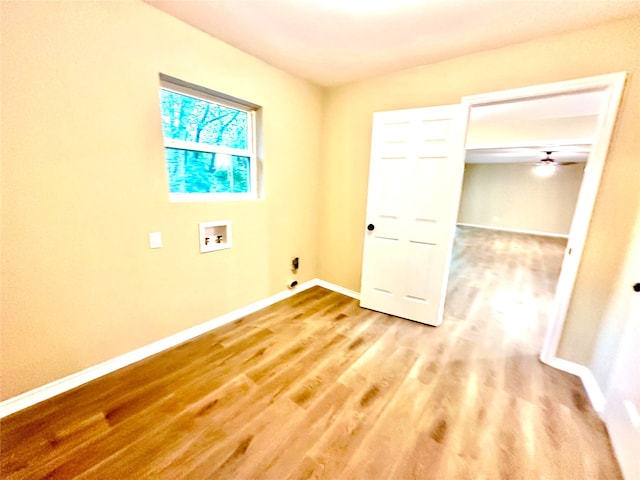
(417, 163)
(434, 130)
(424, 256)
(391, 197)
(384, 271)
(430, 175)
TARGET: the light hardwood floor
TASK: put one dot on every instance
(315, 387)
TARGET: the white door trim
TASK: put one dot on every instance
(612, 83)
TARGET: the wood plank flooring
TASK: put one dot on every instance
(315, 387)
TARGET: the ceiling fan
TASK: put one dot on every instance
(548, 166)
(550, 161)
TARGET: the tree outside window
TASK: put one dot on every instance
(209, 146)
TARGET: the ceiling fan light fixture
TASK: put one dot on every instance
(545, 169)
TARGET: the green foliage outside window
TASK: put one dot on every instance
(205, 142)
(204, 172)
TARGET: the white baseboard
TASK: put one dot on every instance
(338, 288)
(594, 392)
(515, 230)
(39, 394)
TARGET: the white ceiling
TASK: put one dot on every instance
(331, 42)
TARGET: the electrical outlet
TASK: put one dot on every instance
(295, 264)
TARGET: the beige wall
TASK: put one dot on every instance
(512, 196)
(609, 48)
(84, 182)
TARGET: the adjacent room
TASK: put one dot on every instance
(514, 193)
(187, 191)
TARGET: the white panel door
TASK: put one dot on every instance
(415, 177)
(622, 410)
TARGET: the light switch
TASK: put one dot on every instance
(155, 240)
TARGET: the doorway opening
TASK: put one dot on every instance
(570, 119)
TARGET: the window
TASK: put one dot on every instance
(209, 141)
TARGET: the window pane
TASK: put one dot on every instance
(191, 119)
(204, 172)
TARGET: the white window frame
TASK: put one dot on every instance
(183, 88)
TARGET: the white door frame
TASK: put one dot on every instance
(613, 84)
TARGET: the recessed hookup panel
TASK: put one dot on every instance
(215, 236)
